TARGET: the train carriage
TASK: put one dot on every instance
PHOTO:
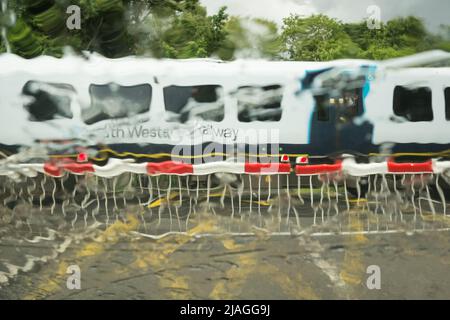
(200, 111)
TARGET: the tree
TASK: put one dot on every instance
(251, 38)
(183, 29)
(405, 32)
(317, 38)
(190, 35)
(323, 38)
(24, 41)
(184, 34)
(365, 37)
(375, 44)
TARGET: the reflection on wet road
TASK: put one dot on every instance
(285, 245)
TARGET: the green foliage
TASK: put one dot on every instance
(317, 38)
(104, 27)
(215, 34)
(405, 32)
(322, 38)
(251, 38)
(50, 21)
(183, 29)
(24, 41)
(190, 33)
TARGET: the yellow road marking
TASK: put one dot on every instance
(353, 267)
(163, 200)
(176, 286)
(247, 264)
(54, 282)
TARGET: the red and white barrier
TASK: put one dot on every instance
(115, 167)
(213, 167)
(351, 168)
(267, 168)
(57, 170)
(308, 170)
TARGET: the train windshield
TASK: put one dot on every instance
(184, 103)
(113, 101)
(48, 101)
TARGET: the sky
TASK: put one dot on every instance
(434, 12)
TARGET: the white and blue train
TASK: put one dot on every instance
(191, 109)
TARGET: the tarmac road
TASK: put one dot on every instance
(319, 251)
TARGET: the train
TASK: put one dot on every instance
(205, 110)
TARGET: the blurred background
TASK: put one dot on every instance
(271, 29)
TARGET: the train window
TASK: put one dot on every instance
(189, 102)
(259, 103)
(112, 101)
(48, 101)
(413, 104)
(447, 103)
(348, 105)
(322, 112)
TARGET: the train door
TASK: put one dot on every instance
(337, 124)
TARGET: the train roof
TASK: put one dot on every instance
(94, 63)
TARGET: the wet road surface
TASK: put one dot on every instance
(219, 251)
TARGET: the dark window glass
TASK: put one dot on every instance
(447, 103)
(347, 105)
(413, 104)
(188, 102)
(322, 107)
(259, 103)
(48, 101)
(112, 101)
